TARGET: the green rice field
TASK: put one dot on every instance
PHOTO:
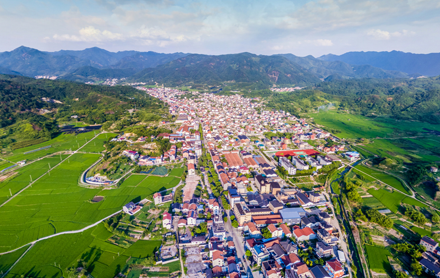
(23, 176)
(377, 258)
(388, 179)
(51, 258)
(176, 172)
(56, 203)
(393, 200)
(97, 144)
(63, 142)
(372, 203)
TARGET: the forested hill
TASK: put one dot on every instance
(334, 70)
(234, 68)
(411, 63)
(410, 99)
(21, 102)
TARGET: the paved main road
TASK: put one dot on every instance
(239, 245)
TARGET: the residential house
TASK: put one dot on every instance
(304, 234)
(334, 268)
(428, 243)
(276, 232)
(166, 220)
(323, 250)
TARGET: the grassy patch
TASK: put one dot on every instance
(97, 144)
(388, 179)
(393, 200)
(372, 203)
(176, 172)
(143, 248)
(62, 142)
(377, 258)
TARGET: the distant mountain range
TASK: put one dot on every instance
(94, 64)
(410, 63)
(32, 62)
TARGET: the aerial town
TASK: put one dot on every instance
(258, 224)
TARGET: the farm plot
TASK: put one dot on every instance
(155, 184)
(176, 172)
(23, 177)
(377, 258)
(372, 203)
(7, 260)
(393, 200)
(133, 180)
(56, 203)
(97, 144)
(63, 142)
(143, 248)
(160, 171)
(388, 179)
(351, 126)
(50, 258)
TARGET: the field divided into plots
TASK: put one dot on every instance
(97, 144)
(378, 258)
(50, 258)
(56, 202)
(63, 142)
(393, 200)
(23, 175)
(384, 177)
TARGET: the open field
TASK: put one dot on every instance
(23, 175)
(372, 203)
(143, 248)
(134, 180)
(101, 258)
(377, 258)
(404, 149)
(97, 144)
(7, 260)
(388, 179)
(63, 142)
(154, 184)
(398, 145)
(5, 164)
(393, 200)
(351, 126)
(176, 172)
(160, 171)
(56, 203)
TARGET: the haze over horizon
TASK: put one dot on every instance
(299, 27)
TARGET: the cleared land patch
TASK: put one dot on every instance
(384, 177)
(393, 200)
(97, 144)
(378, 258)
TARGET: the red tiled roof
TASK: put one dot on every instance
(307, 231)
(302, 268)
(285, 229)
(272, 228)
(296, 152)
(217, 255)
(251, 226)
(334, 264)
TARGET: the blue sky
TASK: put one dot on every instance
(223, 26)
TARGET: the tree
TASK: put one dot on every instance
(416, 267)
(248, 253)
(266, 233)
(435, 218)
(400, 274)
(234, 224)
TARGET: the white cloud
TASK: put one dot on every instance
(89, 34)
(378, 34)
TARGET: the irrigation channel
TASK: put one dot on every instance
(350, 239)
